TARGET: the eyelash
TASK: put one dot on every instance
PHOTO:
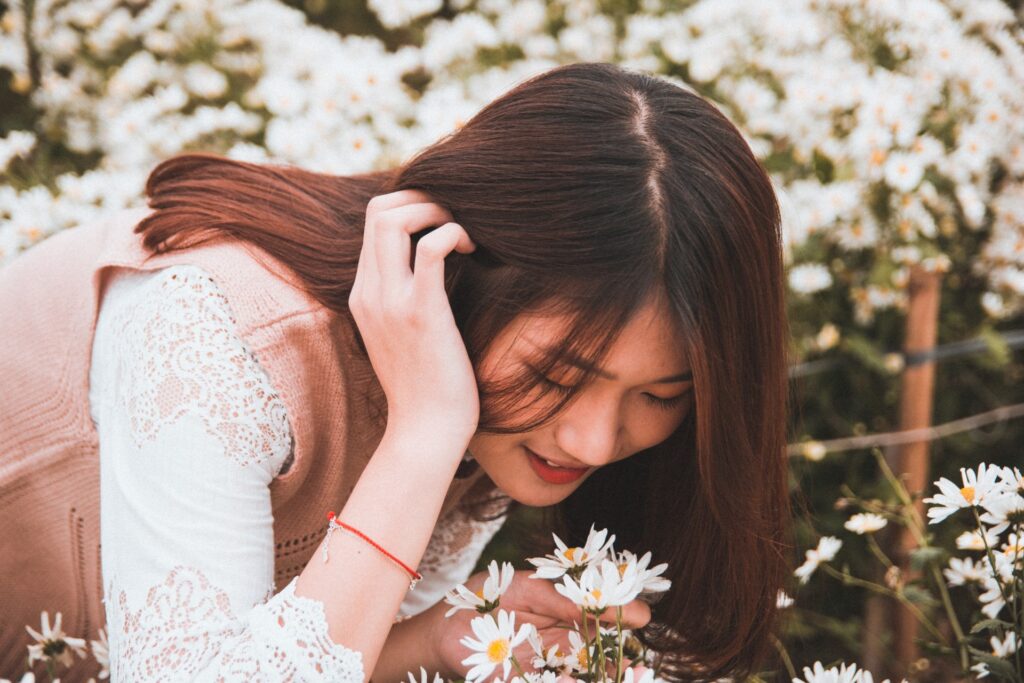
(657, 402)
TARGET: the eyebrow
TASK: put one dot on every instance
(568, 356)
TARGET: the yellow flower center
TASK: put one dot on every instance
(480, 594)
(622, 569)
(569, 552)
(596, 594)
(968, 493)
(497, 651)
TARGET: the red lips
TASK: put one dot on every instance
(553, 475)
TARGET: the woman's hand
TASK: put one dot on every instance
(405, 318)
(535, 601)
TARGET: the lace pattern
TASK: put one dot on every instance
(192, 433)
(454, 549)
(186, 628)
(193, 362)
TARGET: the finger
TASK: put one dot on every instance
(393, 244)
(383, 202)
(544, 599)
(366, 262)
(431, 251)
(635, 614)
(366, 270)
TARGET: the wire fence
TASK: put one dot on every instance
(816, 449)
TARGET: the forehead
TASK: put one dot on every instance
(651, 343)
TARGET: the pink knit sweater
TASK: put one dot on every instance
(49, 468)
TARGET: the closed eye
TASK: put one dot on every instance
(651, 399)
(551, 385)
(667, 403)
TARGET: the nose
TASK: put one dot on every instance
(589, 430)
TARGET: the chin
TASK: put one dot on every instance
(538, 495)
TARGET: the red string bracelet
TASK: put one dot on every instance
(335, 523)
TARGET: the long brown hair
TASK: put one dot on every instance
(587, 188)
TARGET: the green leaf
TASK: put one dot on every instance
(990, 624)
(920, 596)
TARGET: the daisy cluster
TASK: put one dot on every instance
(594, 577)
(842, 673)
(923, 140)
(891, 166)
(995, 495)
(993, 573)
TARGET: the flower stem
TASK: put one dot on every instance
(876, 588)
(785, 657)
(618, 638)
(600, 649)
(586, 642)
(947, 602)
(878, 552)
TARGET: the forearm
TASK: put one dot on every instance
(407, 648)
(396, 502)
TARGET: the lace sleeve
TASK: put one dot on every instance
(191, 435)
(453, 551)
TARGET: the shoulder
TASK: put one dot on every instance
(168, 346)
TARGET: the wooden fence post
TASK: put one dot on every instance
(910, 461)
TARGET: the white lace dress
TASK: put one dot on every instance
(191, 435)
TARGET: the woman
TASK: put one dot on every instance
(579, 292)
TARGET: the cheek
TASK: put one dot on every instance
(494, 451)
(655, 424)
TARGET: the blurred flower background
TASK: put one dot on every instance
(893, 131)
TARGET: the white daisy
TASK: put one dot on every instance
(423, 677)
(52, 643)
(1012, 479)
(808, 278)
(495, 641)
(962, 572)
(1005, 647)
(488, 597)
(650, 579)
(598, 589)
(533, 677)
(552, 658)
(819, 674)
(572, 560)
(972, 540)
(827, 548)
(976, 490)
(992, 602)
(865, 522)
(101, 651)
(629, 676)
(1004, 508)
(580, 654)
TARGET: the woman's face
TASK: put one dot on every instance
(643, 396)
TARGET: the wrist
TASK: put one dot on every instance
(433, 421)
(428, 441)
